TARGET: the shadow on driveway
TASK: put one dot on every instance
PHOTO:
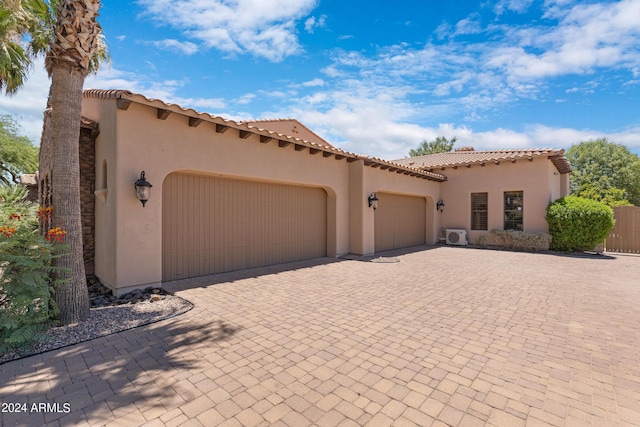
(107, 378)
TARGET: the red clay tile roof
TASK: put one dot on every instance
(468, 156)
(293, 124)
(126, 97)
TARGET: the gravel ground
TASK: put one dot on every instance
(104, 321)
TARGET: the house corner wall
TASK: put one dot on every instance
(565, 184)
(139, 228)
(104, 113)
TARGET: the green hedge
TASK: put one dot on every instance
(577, 223)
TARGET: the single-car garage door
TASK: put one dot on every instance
(400, 221)
(213, 224)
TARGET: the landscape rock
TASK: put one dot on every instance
(101, 296)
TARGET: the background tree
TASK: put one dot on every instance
(440, 145)
(603, 192)
(602, 167)
(17, 153)
(19, 20)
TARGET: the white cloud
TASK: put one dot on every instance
(519, 6)
(309, 24)
(332, 71)
(372, 129)
(274, 93)
(246, 99)
(443, 31)
(469, 25)
(586, 38)
(264, 28)
(313, 83)
(212, 105)
(510, 64)
(112, 78)
(312, 23)
(462, 78)
(186, 48)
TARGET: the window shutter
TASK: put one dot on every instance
(479, 211)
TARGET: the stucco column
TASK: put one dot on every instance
(361, 217)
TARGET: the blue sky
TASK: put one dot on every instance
(378, 79)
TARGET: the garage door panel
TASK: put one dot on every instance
(400, 222)
(212, 224)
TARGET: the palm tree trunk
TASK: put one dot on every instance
(66, 102)
(69, 59)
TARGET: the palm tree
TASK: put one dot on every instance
(70, 58)
(18, 18)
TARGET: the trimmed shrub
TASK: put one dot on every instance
(521, 241)
(579, 224)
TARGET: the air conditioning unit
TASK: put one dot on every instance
(457, 237)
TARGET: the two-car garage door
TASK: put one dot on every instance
(214, 224)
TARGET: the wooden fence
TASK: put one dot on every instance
(625, 236)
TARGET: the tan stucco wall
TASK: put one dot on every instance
(159, 147)
(105, 224)
(558, 183)
(358, 210)
(538, 179)
(129, 237)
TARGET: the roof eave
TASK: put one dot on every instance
(125, 98)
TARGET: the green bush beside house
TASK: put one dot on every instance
(576, 223)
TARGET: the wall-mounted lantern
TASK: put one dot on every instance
(143, 189)
(373, 201)
(440, 206)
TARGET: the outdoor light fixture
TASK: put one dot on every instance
(143, 189)
(440, 206)
(373, 201)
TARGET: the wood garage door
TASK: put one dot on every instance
(212, 225)
(400, 221)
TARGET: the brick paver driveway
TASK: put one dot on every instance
(445, 336)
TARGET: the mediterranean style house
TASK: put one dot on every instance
(232, 195)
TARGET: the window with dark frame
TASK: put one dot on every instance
(513, 210)
(479, 211)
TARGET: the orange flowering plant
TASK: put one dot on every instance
(56, 235)
(26, 286)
